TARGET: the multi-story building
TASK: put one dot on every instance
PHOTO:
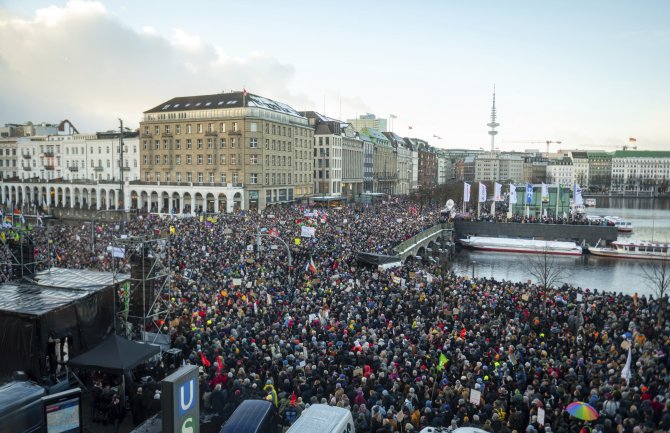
(580, 168)
(535, 169)
(561, 171)
(249, 151)
(640, 171)
(370, 121)
(445, 171)
(327, 153)
(427, 164)
(9, 160)
(600, 171)
(510, 168)
(487, 167)
(384, 170)
(403, 156)
(352, 162)
(368, 162)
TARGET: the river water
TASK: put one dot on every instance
(651, 221)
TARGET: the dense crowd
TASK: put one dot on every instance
(402, 348)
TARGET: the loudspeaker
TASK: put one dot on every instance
(23, 260)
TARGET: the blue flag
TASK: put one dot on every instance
(529, 193)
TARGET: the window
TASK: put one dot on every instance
(253, 127)
(253, 159)
(177, 159)
(147, 176)
(146, 162)
(222, 127)
(267, 128)
(167, 129)
(144, 144)
(199, 128)
(210, 159)
(157, 161)
(253, 143)
(188, 128)
(223, 160)
(267, 144)
(177, 144)
(157, 129)
(178, 177)
(199, 159)
(222, 143)
(210, 127)
(233, 159)
(188, 160)
(267, 160)
(199, 143)
(177, 129)
(232, 143)
(189, 177)
(253, 178)
(209, 143)
(165, 144)
(234, 126)
(189, 144)
(200, 177)
(146, 130)
(165, 159)
(267, 178)
(223, 178)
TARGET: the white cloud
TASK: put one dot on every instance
(80, 62)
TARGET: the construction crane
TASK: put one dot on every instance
(547, 142)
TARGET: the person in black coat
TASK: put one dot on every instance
(138, 407)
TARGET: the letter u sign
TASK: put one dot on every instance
(186, 398)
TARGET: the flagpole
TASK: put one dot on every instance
(558, 193)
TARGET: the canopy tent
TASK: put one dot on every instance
(115, 354)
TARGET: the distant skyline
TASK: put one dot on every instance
(588, 74)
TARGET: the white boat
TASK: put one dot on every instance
(533, 246)
(621, 224)
(590, 202)
(634, 250)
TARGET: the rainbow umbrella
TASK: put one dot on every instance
(583, 411)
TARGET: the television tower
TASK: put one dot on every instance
(493, 124)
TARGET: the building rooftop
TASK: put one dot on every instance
(641, 154)
(222, 101)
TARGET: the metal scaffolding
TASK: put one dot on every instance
(143, 304)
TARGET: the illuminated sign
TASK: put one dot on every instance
(180, 401)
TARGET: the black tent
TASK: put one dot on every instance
(115, 355)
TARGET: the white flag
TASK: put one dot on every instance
(626, 373)
(545, 193)
(578, 195)
(497, 192)
(482, 192)
(512, 194)
(466, 192)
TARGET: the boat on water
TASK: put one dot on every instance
(533, 246)
(590, 202)
(622, 225)
(633, 250)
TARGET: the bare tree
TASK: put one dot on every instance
(657, 275)
(546, 270)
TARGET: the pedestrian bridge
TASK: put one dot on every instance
(419, 245)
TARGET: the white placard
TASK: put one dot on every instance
(307, 232)
(540, 416)
(237, 281)
(475, 396)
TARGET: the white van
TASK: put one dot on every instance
(321, 418)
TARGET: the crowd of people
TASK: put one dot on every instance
(402, 348)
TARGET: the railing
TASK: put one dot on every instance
(231, 132)
(146, 136)
(410, 243)
(125, 168)
(49, 154)
(26, 155)
(98, 168)
(26, 168)
(73, 168)
(211, 133)
(49, 167)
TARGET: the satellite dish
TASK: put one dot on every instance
(450, 204)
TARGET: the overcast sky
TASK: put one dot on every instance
(590, 74)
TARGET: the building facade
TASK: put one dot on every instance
(487, 167)
(600, 171)
(370, 121)
(640, 171)
(246, 146)
(560, 171)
